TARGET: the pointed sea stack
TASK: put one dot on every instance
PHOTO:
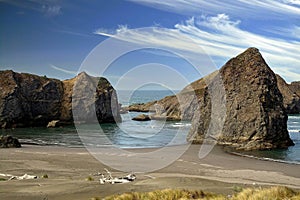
(93, 98)
(255, 113)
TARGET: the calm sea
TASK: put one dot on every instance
(133, 134)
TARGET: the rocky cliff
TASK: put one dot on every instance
(91, 95)
(255, 114)
(291, 95)
(239, 105)
(31, 100)
(295, 87)
(28, 100)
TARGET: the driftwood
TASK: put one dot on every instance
(110, 179)
(25, 176)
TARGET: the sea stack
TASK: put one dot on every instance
(28, 100)
(255, 113)
(93, 98)
(250, 105)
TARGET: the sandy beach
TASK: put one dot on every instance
(68, 169)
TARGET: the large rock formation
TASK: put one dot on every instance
(255, 115)
(291, 95)
(86, 101)
(31, 100)
(28, 100)
(239, 105)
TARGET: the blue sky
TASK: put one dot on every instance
(53, 37)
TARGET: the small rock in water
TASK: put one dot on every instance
(8, 142)
(53, 124)
(142, 117)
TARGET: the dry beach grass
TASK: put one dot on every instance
(272, 193)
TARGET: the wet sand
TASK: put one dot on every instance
(68, 168)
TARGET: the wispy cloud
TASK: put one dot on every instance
(63, 70)
(49, 8)
(295, 32)
(224, 38)
(74, 33)
(111, 32)
(288, 72)
(105, 32)
(154, 36)
(293, 2)
(232, 7)
(292, 32)
(221, 38)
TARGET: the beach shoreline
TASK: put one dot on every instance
(68, 168)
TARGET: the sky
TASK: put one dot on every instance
(189, 38)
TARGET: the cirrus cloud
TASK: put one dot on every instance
(250, 9)
(221, 38)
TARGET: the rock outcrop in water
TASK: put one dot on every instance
(246, 99)
(104, 98)
(142, 117)
(30, 100)
(255, 114)
(9, 142)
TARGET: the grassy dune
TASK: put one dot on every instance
(272, 193)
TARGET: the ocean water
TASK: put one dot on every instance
(128, 134)
(141, 96)
(134, 134)
(290, 155)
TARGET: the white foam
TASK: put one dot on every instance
(294, 117)
(265, 158)
(181, 125)
(294, 131)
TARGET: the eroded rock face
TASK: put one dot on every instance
(295, 87)
(239, 105)
(290, 93)
(255, 114)
(30, 100)
(86, 101)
